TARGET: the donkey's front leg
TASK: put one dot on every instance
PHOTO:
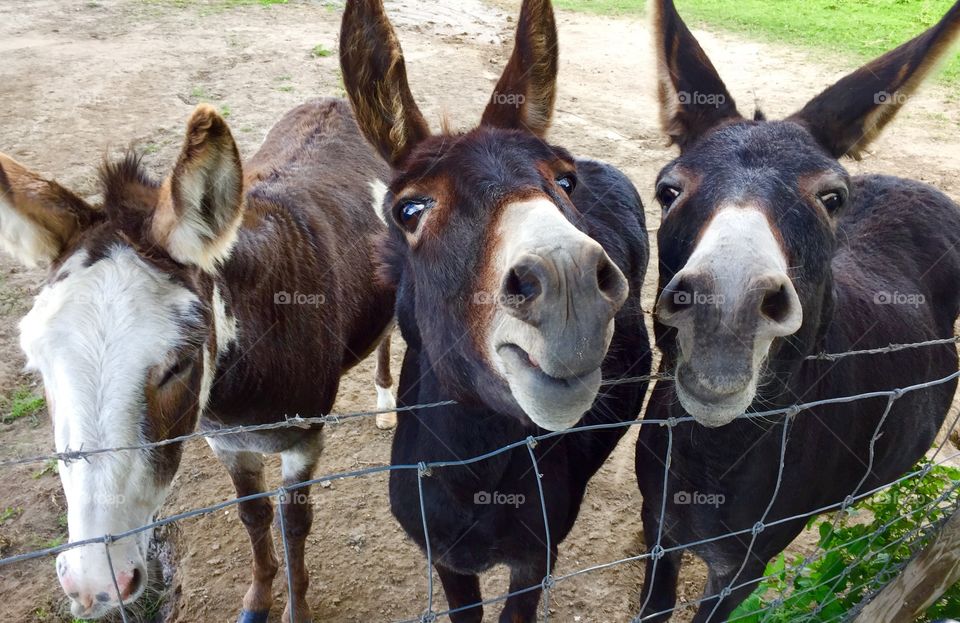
(298, 465)
(246, 471)
(384, 380)
(522, 608)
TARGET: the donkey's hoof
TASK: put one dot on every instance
(251, 616)
(386, 421)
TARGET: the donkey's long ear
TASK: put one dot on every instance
(693, 98)
(202, 204)
(525, 94)
(847, 116)
(376, 79)
(38, 217)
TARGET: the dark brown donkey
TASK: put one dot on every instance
(226, 295)
(513, 262)
(771, 252)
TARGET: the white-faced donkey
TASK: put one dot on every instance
(223, 295)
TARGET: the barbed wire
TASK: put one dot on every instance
(890, 348)
(657, 551)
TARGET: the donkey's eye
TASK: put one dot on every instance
(177, 370)
(832, 200)
(568, 182)
(410, 212)
(667, 195)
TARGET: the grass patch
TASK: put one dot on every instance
(199, 93)
(9, 513)
(321, 51)
(604, 7)
(862, 28)
(56, 541)
(49, 467)
(23, 403)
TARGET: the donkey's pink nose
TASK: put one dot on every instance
(128, 582)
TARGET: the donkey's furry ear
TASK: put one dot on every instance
(38, 217)
(202, 203)
(375, 76)
(525, 95)
(693, 98)
(847, 116)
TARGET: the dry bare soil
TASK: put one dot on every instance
(81, 80)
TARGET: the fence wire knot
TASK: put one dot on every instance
(548, 582)
(726, 592)
(792, 411)
(298, 422)
(532, 442)
(428, 617)
(672, 421)
(657, 552)
(68, 455)
(847, 502)
(424, 470)
(758, 528)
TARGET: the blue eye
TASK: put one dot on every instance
(568, 182)
(409, 213)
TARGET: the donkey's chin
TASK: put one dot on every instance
(94, 612)
(551, 402)
(713, 410)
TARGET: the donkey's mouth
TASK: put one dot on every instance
(551, 402)
(709, 408)
(523, 358)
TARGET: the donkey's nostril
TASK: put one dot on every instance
(610, 280)
(523, 284)
(776, 303)
(677, 297)
(129, 584)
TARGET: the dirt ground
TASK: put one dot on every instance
(81, 80)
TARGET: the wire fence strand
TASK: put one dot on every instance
(924, 526)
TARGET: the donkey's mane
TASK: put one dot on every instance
(127, 188)
(117, 175)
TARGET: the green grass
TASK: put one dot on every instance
(604, 7)
(9, 513)
(49, 467)
(23, 403)
(321, 51)
(862, 28)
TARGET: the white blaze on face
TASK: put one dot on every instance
(537, 227)
(737, 248)
(93, 335)
(378, 191)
